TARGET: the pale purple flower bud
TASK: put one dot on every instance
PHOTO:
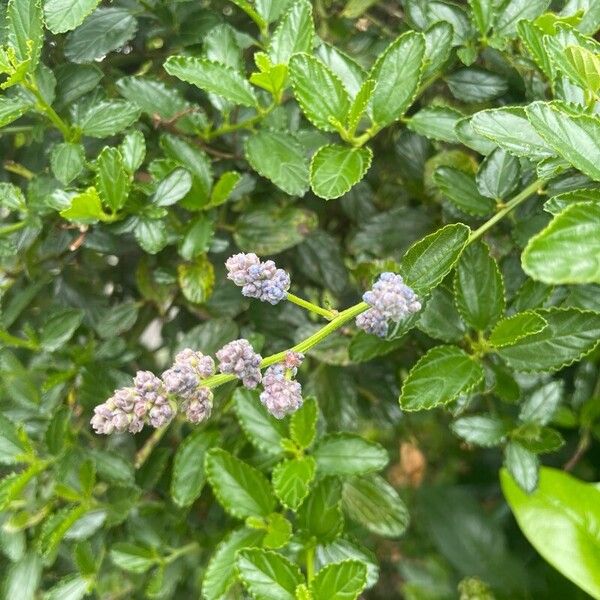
(117, 413)
(202, 364)
(392, 298)
(238, 267)
(238, 358)
(161, 412)
(186, 374)
(152, 399)
(198, 407)
(293, 360)
(281, 396)
(260, 280)
(372, 321)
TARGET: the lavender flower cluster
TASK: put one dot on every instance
(282, 395)
(258, 279)
(390, 300)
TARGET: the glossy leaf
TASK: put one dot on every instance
(339, 581)
(292, 479)
(346, 454)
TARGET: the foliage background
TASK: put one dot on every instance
(87, 301)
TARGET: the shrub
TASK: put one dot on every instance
(276, 276)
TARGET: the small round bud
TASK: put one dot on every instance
(199, 407)
(392, 298)
(373, 322)
(238, 358)
(260, 280)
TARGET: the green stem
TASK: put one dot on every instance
(187, 549)
(328, 314)
(47, 110)
(310, 563)
(532, 188)
(144, 452)
(12, 227)
(245, 124)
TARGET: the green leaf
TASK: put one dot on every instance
(107, 118)
(279, 157)
(559, 202)
(568, 337)
(106, 29)
(56, 527)
(540, 407)
(212, 77)
(279, 531)
(429, 260)
(59, 328)
(509, 330)
(272, 229)
(575, 138)
(85, 207)
(567, 250)
(438, 45)
(320, 93)
(342, 549)
(479, 287)
(11, 446)
(24, 29)
(460, 188)
(523, 465)
(371, 501)
(22, 578)
(64, 15)
(66, 161)
(334, 169)
(498, 175)
(587, 66)
(476, 85)
(188, 475)
(172, 188)
(151, 235)
(295, 33)
(223, 188)
(440, 319)
(533, 39)
(510, 129)
(11, 109)
(512, 11)
(435, 123)
(221, 571)
(11, 197)
(133, 150)
(321, 514)
(339, 581)
(72, 587)
(292, 479)
(262, 429)
(240, 489)
(112, 181)
(564, 532)
(268, 575)
(303, 424)
(439, 377)
(480, 430)
(346, 454)
(196, 279)
(482, 13)
(132, 557)
(397, 73)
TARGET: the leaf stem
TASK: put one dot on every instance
(144, 452)
(310, 563)
(328, 314)
(532, 188)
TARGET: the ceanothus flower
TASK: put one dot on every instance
(189, 369)
(118, 413)
(390, 300)
(260, 280)
(281, 395)
(238, 358)
(198, 406)
(152, 399)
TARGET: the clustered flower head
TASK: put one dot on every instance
(258, 279)
(238, 358)
(282, 395)
(390, 300)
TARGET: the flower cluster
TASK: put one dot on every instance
(238, 358)
(282, 395)
(260, 280)
(390, 300)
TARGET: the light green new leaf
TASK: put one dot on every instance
(188, 474)
(533, 40)
(106, 29)
(212, 77)
(107, 118)
(339, 581)
(66, 161)
(268, 575)
(242, 490)
(262, 429)
(133, 150)
(303, 424)
(346, 454)
(320, 93)
(11, 447)
(292, 479)
(570, 335)
(479, 287)
(11, 109)
(498, 175)
(196, 279)
(371, 501)
(64, 15)
(295, 33)
(481, 430)
(280, 157)
(359, 105)
(112, 181)
(334, 169)
(575, 138)
(511, 329)
(460, 188)
(24, 29)
(568, 249)
(482, 13)
(439, 377)
(223, 188)
(85, 207)
(587, 66)
(397, 73)
(511, 12)
(343, 549)
(221, 571)
(511, 130)
(430, 259)
(565, 532)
